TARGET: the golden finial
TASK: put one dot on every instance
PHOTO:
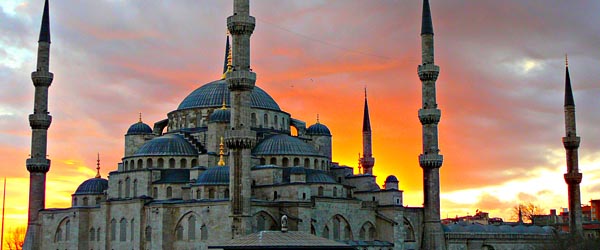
(229, 61)
(98, 167)
(359, 164)
(567, 60)
(224, 106)
(221, 153)
(318, 118)
(140, 116)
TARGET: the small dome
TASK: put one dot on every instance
(318, 176)
(220, 115)
(284, 145)
(139, 128)
(214, 176)
(211, 95)
(92, 186)
(170, 144)
(318, 129)
(391, 178)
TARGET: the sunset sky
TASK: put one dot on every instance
(500, 88)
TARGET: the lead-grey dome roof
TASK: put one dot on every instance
(139, 128)
(284, 145)
(214, 176)
(169, 144)
(220, 115)
(211, 95)
(92, 186)
(318, 129)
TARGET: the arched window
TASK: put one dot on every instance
(198, 194)
(211, 193)
(253, 119)
(58, 235)
(98, 234)
(275, 122)
(155, 192)
(140, 163)
(273, 161)
(67, 230)
(285, 162)
(372, 233)
(296, 161)
(98, 200)
(183, 163)
(306, 163)
(275, 195)
(161, 163)
(169, 192)
(149, 163)
(304, 196)
(347, 232)
(316, 164)
(125, 165)
(192, 228)
(362, 233)
(131, 232)
(85, 201)
(266, 121)
(148, 234)
(336, 228)
(92, 234)
(123, 230)
(127, 187)
(179, 232)
(113, 230)
(325, 233)
(320, 191)
(135, 188)
(120, 191)
(226, 193)
(334, 191)
(263, 161)
(203, 232)
(194, 162)
(171, 163)
(409, 233)
(75, 201)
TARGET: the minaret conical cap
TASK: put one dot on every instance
(366, 119)
(45, 29)
(569, 101)
(225, 64)
(426, 23)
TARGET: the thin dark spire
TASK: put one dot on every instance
(366, 119)
(569, 101)
(426, 23)
(226, 55)
(45, 29)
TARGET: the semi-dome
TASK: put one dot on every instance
(318, 176)
(391, 178)
(211, 95)
(318, 129)
(169, 144)
(214, 176)
(92, 186)
(284, 145)
(220, 115)
(139, 128)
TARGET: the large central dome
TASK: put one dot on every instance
(211, 96)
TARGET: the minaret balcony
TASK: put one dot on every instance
(367, 161)
(42, 78)
(240, 80)
(40, 121)
(431, 160)
(573, 178)
(429, 116)
(571, 142)
(241, 24)
(428, 72)
(240, 139)
(36, 165)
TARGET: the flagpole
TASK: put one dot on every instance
(3, 203)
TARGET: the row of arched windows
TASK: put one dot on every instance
(85, 201)
(296, 161)
(213, 193)
(95, 234)
(276, 123)
(122, 229)
(158, 163)
(129, 191)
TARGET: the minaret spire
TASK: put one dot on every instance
(38, 165)
(429, 115)
(367, 161)
(571, 143)
(240, 139)
(98, 167)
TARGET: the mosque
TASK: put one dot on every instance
(226, 166)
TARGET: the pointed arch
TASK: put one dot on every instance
(340, 228)
(367, 231)
(264, 221)
(62, 230)
(409, 231)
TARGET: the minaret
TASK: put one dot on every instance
(571, 143)
(240, 139)
(367, 161)
(38, 165)
(430, 160)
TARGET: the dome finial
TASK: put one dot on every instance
(567, 60)
(318, 119)
(98, 167)
(140, 120)
(221, 153)
(224, 106)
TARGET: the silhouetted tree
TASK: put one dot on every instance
(15, 238)
(527, 211)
